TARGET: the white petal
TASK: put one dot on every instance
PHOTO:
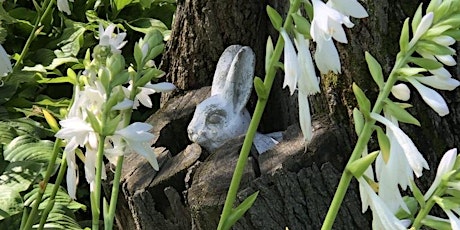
(291, 64)
(414, 157)
(161, 87)
(63, 6)
(349, 7)
(401, 91)
(424, 25)
(454, 221)
(308, 81)
(5, 63)
(441, 72)
(439, 82)
(447, 60)
(145, 151)
(431, 97)
(444, 40)
(136, 132)
(326, 56)
(445, 165)
(125, 104)
(305, 117)
(72, 175)
(337, 31)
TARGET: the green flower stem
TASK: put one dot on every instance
(118, 168)
(95, 205)
(43, 184)
(57, 184)
(33, 34)
(114, 196)
(256, 117)
(363, 139)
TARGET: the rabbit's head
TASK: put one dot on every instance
(223, 115)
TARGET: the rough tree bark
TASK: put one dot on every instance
(295, 186)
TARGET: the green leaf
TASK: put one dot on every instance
(120, 4)
(400, 113)
(358, 167)
(438, 224)
(95, 124)
(28, 148)
(376, 69)
(358, 118)
(418, 194)
(302, 25)
(10, 202)
(61, 198)
(239, 211)
(412, 205)
(261, 91)
(426, 63)
(19, 176)
(275, 18)
(434, 48)
(448, 203)
(416, 19)
(363, 101)
(453, 33)
(384, 144)
(404, 39)
(145, 25)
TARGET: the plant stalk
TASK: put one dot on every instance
(256, 117)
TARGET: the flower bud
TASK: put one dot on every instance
(401, 91)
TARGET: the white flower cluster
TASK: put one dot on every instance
(96, 113)
(298, 66)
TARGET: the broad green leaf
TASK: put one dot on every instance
(28, 148)
(363, 101)
(239, 211)
(376, 70)
(426, 63)
(384, 143)
(358, 167)
(404, 39)
(19, 176)
(145, 25)
(400, 113)
(275, 18)
(261, 91)
(62, 198)
(120, 4)
(10, 202)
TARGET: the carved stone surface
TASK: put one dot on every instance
(224, 115)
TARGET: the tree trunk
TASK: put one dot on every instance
(295, 186)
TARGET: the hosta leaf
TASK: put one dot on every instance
(62, 198)
(28, 148)
(18, 176)
(10, 202)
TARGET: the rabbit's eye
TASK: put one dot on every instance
(216, 117)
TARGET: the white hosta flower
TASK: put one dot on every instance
(143, 97)
(439, 82)
(414, 157)
(76, 132)
(431, 97)
(327, 24)
(425, 24)
(139, 140)
(401, 91)
(90, 168)
(445, 165)
(291, 63)
(63, 6)
(5, 63)
(383, 218)
(307, 80)
(72, 174)
(123, 105)
(108, 38)
(454, 220)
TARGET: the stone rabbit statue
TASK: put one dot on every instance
(223, 115)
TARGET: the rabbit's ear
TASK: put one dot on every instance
(240, 77)
(223, 66)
